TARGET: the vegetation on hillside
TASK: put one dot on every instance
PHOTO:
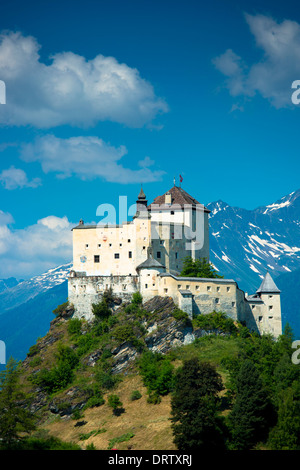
(229, 389)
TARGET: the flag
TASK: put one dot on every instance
(180, 178)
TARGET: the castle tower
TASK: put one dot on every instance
(269, 293)
(179, 228)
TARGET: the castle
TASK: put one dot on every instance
(146, 255)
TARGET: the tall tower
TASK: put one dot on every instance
(270, 295)
(179, 228)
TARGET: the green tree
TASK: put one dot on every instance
(286, 434)
(15, 418)
(198, 268)
(196, 423)
(250, 416)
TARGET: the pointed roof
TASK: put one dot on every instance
(178, 197)
(142, 195)
(150, 263)
(267, 285)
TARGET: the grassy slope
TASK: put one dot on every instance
(149, 423)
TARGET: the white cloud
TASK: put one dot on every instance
(71, 89)
(279, 66)
(14, 178)
(85, 157)
(36, 248)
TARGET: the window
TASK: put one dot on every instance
(260, 318)
(120, 244)
(197, 287)
(129, 254)
(232, 304)
(110, 244)
(176, 255)
(86, 246)
(117, 255)
(217, 301)
(270, 318)
(96, 259)
(179, 286)
(270, 307)
(158, 254)
(146, 286)
(218, 289)
(172, 212)
(187, 287)
(99, 245)
(129, 240)
(208, 288)
(270, 296)
(161, 242)
(228, 289)
(166, 291)
(124, 286)
(253, 307)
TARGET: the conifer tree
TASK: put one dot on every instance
(14, 417)
(249, 418)
(286, 434)
(198, 268)
(196, 424)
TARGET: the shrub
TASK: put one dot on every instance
(215, 321)
(114, 402)
(74, 327)
(123, 438)
(101, 310)
(60, 375)
(180, 315)
(157, 373)
(137, 298)
(33, 350)
(135, 395)
(60, 309)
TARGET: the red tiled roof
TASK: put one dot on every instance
(178, 197)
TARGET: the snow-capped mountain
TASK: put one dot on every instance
(22, 292)
(244, 243)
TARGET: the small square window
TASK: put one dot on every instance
(166, 290)
(228, 289)
(179, 286)
(117, 255)
(217, 301)
(270, 307)
(86, 246)
(99, 245)
(96, 259)
(129, 240)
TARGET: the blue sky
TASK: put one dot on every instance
(102, 96)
